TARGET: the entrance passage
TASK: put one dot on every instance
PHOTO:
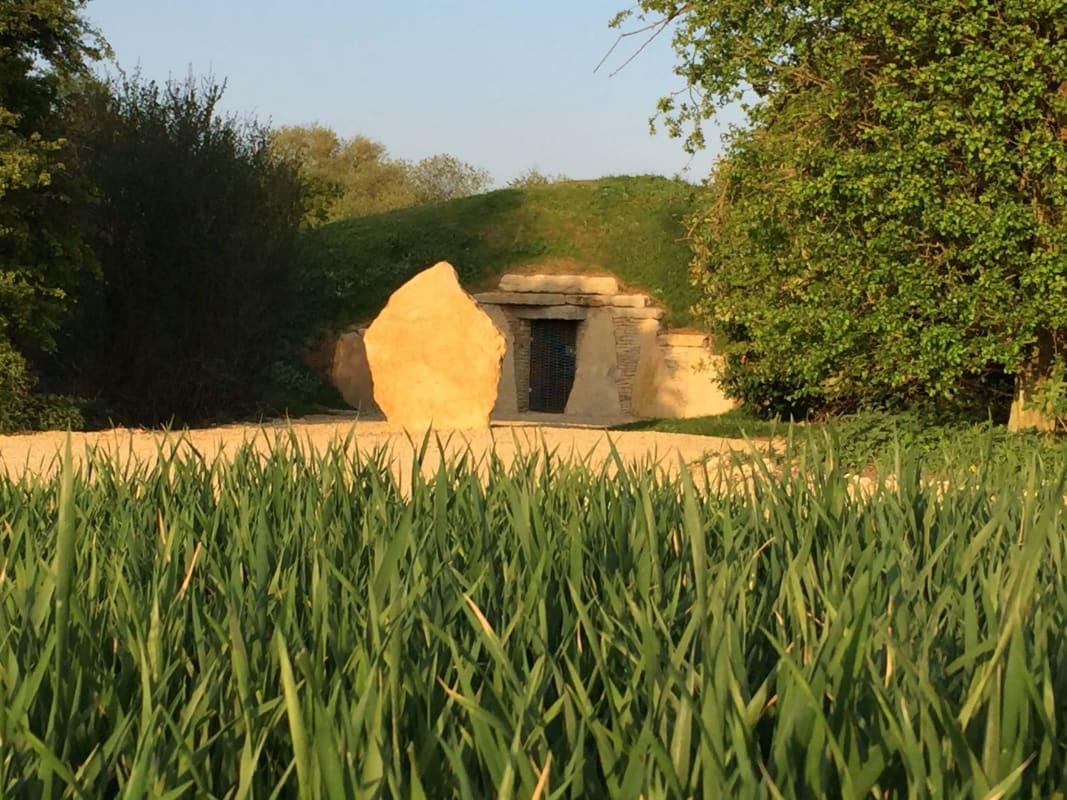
(553, 345)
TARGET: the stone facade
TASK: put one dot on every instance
(625, 365)
(675, 379)
(520, 331)
(427, 367)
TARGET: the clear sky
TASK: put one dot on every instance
(503, 84)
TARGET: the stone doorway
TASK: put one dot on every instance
(553, 350)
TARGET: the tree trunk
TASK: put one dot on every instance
(1025, 412)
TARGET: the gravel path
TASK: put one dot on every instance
(39, 452)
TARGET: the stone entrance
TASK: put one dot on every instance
(570, 344)
(553, 358)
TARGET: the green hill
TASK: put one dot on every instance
(632, 227)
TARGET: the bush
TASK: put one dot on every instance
(197, 228)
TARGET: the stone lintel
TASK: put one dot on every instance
(550, 312)
(559, 299)
(580, 284)
(521, 299)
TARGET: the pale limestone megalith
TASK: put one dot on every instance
(350, 371)
(595, 392)
(507, 393)
(435, 355)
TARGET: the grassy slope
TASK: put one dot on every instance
(631, 227)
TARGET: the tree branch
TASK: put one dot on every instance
(657, 27)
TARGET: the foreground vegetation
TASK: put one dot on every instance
(296, 624)
(871, 440)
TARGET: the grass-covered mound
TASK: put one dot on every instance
(632, 227)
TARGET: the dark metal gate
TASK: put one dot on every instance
(553, 344)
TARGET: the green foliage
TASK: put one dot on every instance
(298, 625)
(441, 178)
(737, 424)
(44, 44)
(198, 223)
(347, 178)
(344, 178)
(889, 229)
(632, 227)
(873, 439)
(534, 177)
(15, 383)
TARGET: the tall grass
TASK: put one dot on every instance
(295, 625)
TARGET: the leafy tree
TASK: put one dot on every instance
(443, 177)
(44, 44)
(347, 178)
(889, 227)
(534, 177)
(344, 178)
(197, 223)
(314, 149)
(373, 182)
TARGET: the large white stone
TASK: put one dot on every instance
(595, 392)
(435, 356)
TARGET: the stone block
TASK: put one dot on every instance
(435, 355)
(630, 301)
(678, 382)
(558, 299)
(520, 299)
(595, 392)
(639, 313)
(350, 371)
(507, 395)
(684, 339)
(550, 312)
(570, 284)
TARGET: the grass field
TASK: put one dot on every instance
(296, 626)
(632, 227)
(872, 440)
(733, 424)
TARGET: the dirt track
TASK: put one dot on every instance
(39, 452)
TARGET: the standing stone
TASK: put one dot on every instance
(595, 392)
(350, 372)
(435, 355)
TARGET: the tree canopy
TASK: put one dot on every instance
(889, 227)
(195, 228)
(347, 178)
(44, 44)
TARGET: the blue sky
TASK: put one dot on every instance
(503, 84)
